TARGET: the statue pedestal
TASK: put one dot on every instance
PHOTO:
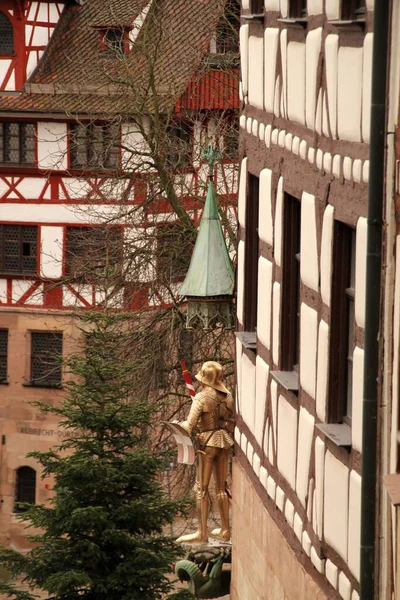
(206, 568)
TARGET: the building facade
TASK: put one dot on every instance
(306, 71)
(78, 180)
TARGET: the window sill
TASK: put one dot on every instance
(287, 379)
(4, 382)
(248, 339)
(295, 21)
(51, 386)
(254, 17)
(338, 433)
(348, 23)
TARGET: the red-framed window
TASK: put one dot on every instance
(6, 36)
(17, 143)
(18, 249)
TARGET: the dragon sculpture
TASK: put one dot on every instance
(204, 573)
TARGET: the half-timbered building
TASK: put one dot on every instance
(306, 71)
(73, 158)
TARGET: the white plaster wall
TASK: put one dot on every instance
(287, 440)
(256, 71)
(70, 299)
(278, 97)
(350, 63)
(308, 348)
(314, 7)
(296, 81)
(361, 271)
(276, 301)
(308, 243)
(366, 86)
(4, 66)
(271, 5)
(278, 223)
(248, 391)
(240, 282)
(284, 8)
(242, 193)
(313, 49)
(31, 188)
(322, 369)
(354, 524)
(264, 303)
(306, 431)
(332, 9)
(265, 228)
(134, 147)
(284, 70)
(357, 408)
(55, 213)
(271, 38)
(51, 251)
(336, 497)
(52, 145)
(244, 57)
(238, 376)
(262, 372)
(326, 254)
(331, 59)
(40, 36)
(319, 486)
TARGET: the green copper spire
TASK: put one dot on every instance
(210, 272)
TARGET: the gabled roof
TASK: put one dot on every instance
(75, 76)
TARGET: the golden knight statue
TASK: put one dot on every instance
(212, 413)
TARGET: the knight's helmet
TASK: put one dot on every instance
(211, 374)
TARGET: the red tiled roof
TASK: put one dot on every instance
(74, 76)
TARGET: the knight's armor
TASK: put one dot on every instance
(212, 412)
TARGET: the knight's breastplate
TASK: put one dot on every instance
(208, 422)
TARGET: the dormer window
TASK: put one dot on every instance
(226, 39)
(6, 35)
(114, 41)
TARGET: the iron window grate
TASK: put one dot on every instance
(25, 488)
(17, 143)
(6, 35)
(18, 249)
(3, 354)
(46, 353)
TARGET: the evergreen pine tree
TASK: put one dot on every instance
(102, 537)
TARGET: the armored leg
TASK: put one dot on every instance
(203, 475)
(220, 475)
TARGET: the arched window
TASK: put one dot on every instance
(25, 487)
(6, 35)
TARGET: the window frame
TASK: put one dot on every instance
(3, 355)
(4, 54)
(103, 234)
(353, 10)
(3, 253)
(297, 9)
(251, 253)
(31, 487)
(22, 136)
(342, 326)
(174, 155)
(291, 285)
(46, 381)
(257, 7)
(87, 141)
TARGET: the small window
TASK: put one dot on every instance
(3, 354)
(352, 9)
(93, 251)
(231, 138)
(94, 146)
(251, 254)
(25, 488)
(46, 353)
(227, 33)
(174, 250)
(342, 324)
(290, 309)
(6, 35)
(113, 42)
(17, 143)
(18, 249)
(257, 7)
(297, 9)
(179, 145)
